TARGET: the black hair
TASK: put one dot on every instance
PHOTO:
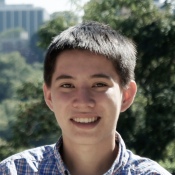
(97, 38)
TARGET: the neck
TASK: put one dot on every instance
(94, 159)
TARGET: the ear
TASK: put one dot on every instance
(47, 96)
(128, 95)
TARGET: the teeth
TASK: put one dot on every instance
(85, 120)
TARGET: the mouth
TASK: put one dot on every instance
(85, 120)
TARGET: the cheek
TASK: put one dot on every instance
(61, 106)
(114, 96)
(60, 98)
(112, 102)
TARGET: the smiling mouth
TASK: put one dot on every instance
(85, 120)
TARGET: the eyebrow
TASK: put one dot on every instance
(64, 76)
(100, 75)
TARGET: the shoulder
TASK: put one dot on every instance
(142, 165)
(129, 163)
(28, 159)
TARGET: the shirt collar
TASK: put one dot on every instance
(122, 156)
(60, 164)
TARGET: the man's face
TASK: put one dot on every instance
(85, 97)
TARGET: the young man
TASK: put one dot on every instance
(89, 80)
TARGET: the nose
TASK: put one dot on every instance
(83, 99)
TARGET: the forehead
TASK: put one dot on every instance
(70, 57)
(81, 64)
(82, 59)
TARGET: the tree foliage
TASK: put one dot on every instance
(150, 121)
(34, 121)
(60, 21)
(11, 33)
(13, 70)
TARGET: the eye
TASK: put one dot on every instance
(100, 85)
(67, 85)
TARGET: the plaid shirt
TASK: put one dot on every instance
(46, 160)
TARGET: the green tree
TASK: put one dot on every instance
(150, 121)
(7, 110)
(169, 161)
(13, 70)
(36, 53)
(11, 33)
(34, 122)
(60, 21)
(69, 17)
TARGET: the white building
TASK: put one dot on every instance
(27, 17)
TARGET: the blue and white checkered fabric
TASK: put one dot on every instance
(46, 160)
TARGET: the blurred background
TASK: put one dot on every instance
(26, 29)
